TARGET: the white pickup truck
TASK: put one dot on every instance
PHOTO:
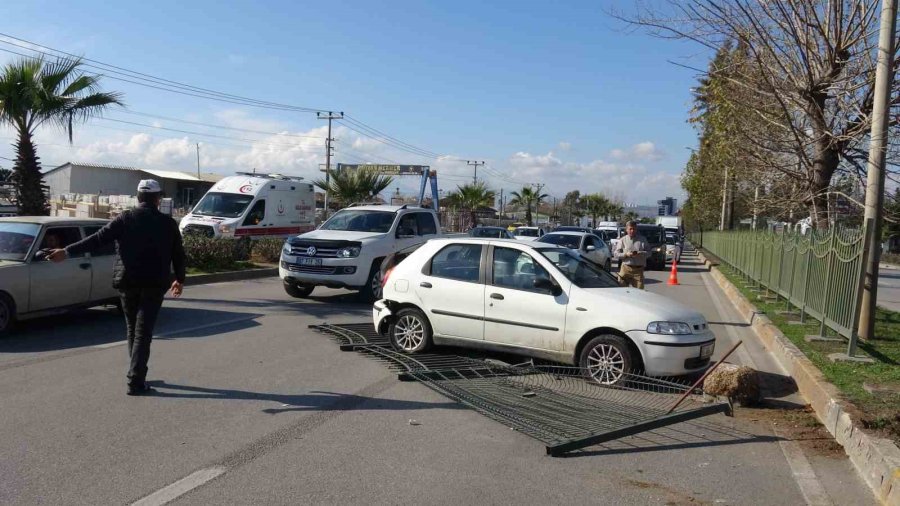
(347, 250)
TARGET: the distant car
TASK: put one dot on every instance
(32, 287)
(529, 233)
(567, 228)
(588, 246)
(656, 244)
(610, 235)
(538, 300)
(491, 233)
(673, 248)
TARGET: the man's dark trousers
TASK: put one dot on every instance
(141, 307)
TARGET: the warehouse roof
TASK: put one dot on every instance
(161, 174)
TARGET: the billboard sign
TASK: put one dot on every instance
(390, 170)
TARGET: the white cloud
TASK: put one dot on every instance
(642, 151)
(565, 146)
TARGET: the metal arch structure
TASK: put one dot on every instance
(423, 171)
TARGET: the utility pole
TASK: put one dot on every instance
(724, 220)
(198, 160)
(884, 76)
(501, 203)
(475, 164)
(330, 116)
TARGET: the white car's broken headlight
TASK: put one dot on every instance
(669, 328)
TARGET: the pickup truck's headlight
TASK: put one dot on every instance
(669, 328)
(225, 229)
(350, 252)
(286, 249)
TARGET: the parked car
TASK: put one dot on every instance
(347, 250)
(529, 233)
(587, 245)
(673, 247)
(566, 228)
(537, 300)
(656, 243)
(491, 233)
(31, 287)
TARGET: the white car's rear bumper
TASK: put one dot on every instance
(380, 313)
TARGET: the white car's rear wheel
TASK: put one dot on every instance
(606, 359)
(410, 332)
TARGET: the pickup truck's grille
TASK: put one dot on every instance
(303, 251)
(309, 269)
(203, 230)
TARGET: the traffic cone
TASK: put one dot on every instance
(673, 276)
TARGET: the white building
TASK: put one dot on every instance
(96, 179)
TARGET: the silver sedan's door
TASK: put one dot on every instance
(102, 264)
(64, 284)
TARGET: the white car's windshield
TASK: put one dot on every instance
(564, 240)
(580, 272)
(350, 220)
(526, 232)
(488, 232)
(223, 205)
(16, 239)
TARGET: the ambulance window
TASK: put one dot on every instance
(257, 214)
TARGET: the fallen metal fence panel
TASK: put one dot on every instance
(560, 406)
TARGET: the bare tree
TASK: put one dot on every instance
(807, 78)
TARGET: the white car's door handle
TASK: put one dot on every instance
(496, 296)
(425, 284)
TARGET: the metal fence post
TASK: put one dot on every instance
(809, 252)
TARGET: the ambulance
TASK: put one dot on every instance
(254, 205)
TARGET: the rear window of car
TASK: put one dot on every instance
(461, 262)
(567, 241)
(526, 232)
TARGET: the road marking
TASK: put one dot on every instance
(181, 331)
(181, 487)
(802, 470)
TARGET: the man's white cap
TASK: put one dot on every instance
(149, 186)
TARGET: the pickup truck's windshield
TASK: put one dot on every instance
(223, 205)
(350, 220)
(580, 272)
(16, 239)
(527, 232)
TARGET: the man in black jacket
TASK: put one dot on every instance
(149, 246)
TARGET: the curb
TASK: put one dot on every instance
(888, 266)
(219, 277)
(876, 459)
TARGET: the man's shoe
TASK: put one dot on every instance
(142, 389)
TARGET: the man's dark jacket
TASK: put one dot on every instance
(148, 244)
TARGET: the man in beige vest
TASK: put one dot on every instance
(632, 253)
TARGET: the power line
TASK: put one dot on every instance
(223, 127)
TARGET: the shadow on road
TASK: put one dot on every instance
(93, 327)
(311, 401)
(335, 305)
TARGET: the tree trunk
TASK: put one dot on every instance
(825, 163)
(528, 215)
(29, 182)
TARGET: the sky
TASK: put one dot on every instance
(561, 95)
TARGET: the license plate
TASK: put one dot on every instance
(706, 350)
(315, 262)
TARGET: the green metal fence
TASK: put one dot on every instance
(818, 273)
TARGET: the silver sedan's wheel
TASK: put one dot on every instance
(7, 313)
(410, 332)
(606, 359)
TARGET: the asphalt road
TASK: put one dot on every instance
(253, 408)
(889, 288)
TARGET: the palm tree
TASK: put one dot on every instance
(528, 198)
(596, 205)
(472, 196)
(33, 92)
(5, 175)
(348, 186)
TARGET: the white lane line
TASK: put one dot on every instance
(742, 352)
(181, 487)
(182, 331)
(802, 470)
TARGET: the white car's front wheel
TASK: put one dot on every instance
(410, 331)
(606, 359)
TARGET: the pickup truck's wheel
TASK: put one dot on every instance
(7, 313)
(298, 291)
(606, 359)
(410, 331)
(608, 265)
(373, 289)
